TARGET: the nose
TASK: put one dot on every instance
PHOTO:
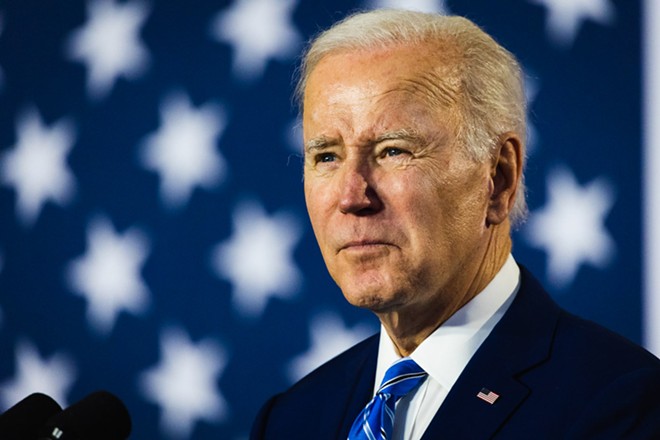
(358, 193)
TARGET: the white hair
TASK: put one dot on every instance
(491, 92)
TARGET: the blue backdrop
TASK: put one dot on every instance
(153, 235)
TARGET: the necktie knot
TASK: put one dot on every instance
(401, 378)
(377, 419)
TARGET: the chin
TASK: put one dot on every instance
(370, 300)
(372, 288)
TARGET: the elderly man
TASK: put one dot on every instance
(414, 128)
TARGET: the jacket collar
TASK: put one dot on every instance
(356, 387)
(520, 341)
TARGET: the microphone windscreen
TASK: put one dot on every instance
(25, 419)
(99, 416)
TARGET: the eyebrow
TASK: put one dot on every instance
(319, 143)
(405, 134)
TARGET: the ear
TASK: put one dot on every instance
(506, 173)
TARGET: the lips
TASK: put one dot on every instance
(363, 244)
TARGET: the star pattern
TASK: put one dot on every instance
(571, 227)
(329, 337)
(184, 383)
(183, 150)
(565, 17)
(53, 377)
(258, 258)
(274, 38)
(109, 44)
(108, 274)
(36, 166)
(132, 131)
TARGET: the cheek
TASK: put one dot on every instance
(445, 208)
(467, 211)
(318, 200)
(417, 210)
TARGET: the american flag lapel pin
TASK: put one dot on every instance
(488, 396)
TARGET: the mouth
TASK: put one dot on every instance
(363, 245)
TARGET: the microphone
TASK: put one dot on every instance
(99, 416)
(24, 420)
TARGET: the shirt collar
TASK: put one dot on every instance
(446, 352)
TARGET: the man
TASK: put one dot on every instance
(414, 129)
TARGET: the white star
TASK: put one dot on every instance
(36, 167)
(108, 275)
(52, 377)
(258, 258)
(571, 227)
(437, 6)
(566, 16)
(329, 338)
(183, 150)
(258, 30)
(109, 44)
(184, 384)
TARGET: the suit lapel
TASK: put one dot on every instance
(356, 388)
(520, 341)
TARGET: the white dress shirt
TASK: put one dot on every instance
(446, 352)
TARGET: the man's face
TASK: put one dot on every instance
(398, 210)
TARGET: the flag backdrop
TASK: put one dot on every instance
(153, 235)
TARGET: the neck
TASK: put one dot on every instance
(409, 327)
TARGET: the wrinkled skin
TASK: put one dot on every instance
(409, 226)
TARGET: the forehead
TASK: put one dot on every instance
(396, 82)
(437, 64)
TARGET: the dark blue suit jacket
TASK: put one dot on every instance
(558, 377)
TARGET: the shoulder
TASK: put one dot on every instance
(614, 383)
(343, 367)
(344, 381)
(589, 346)
(581, 342)
(582, 380)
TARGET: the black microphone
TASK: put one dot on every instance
(24, 420)
(99, 416)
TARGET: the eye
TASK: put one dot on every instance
(395, 152)
(325, 157)
(392, 151)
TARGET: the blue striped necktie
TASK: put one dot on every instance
(377, 419)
